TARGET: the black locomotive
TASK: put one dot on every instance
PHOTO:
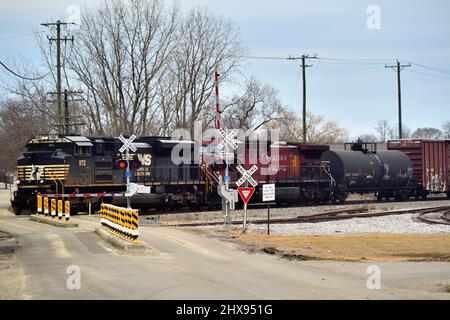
(85, 168)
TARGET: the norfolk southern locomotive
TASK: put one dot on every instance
(87, 170)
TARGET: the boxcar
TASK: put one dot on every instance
(431, 163)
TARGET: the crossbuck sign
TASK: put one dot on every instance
(127, 144)
(247, 175)
(227, 140)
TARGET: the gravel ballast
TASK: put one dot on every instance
(397, 224)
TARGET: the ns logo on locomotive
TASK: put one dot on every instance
(304, 173)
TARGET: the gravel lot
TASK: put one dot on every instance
(400, 224)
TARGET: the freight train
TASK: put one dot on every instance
(86, 170)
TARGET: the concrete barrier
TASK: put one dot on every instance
(121, 222)
(53, 222)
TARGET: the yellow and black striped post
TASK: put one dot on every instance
(46, 212)
(60, 209)
(122, 222)
(53, 208)
(67, 210)
(39, 204)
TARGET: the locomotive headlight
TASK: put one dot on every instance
(42, 181)
(18, 182)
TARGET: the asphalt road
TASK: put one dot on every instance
(186, 266)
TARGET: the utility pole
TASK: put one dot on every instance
(399, 67)
(67, 116)
(66, 124)
(304, 66)
(58, 40)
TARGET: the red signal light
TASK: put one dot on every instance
(122, 164)
(135, 164)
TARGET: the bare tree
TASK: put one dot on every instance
(382, 130)
(256, 107)
(393, 132)
(20, 120)
(368, 138)
(120, 57)
(318, 129)
(446, 130)
(427, 133)
(205, 44)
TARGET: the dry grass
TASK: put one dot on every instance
(383, 247)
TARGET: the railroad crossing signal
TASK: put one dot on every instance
(127, 144)
(227, 139)
(247, 175)
(246, 194)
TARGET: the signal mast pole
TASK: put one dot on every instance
(225, 204)
(216, 79)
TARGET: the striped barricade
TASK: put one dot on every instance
(67, 210)
(53, 208)
(46, 211)
(39, 209)
(58, 208)
(122, 222)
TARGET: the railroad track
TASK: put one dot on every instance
(328, 216)
(156, 212)
(436, 216)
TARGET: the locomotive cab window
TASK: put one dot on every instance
(82, 151)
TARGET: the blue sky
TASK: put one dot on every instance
(355, 96)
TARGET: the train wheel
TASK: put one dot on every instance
(380, 195)
(342, 197)
(401, 195)
(417, 195)
(316, 197)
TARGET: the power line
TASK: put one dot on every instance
(352, 61)
(429, 75)
(430, 68)
(358, 60)
(20, 76)
(265, 58)
(15, 36)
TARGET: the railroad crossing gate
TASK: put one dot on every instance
(246, 193)
(247, 175)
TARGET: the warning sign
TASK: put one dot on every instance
(246, 193)
(268, 192)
